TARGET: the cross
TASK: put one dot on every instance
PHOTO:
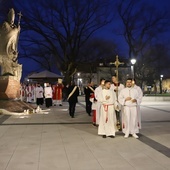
(20, 15)
(117, 63)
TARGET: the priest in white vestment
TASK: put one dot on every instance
(107, 122)
(117, 87)
(129, 98)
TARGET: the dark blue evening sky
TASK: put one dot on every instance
(108, 32)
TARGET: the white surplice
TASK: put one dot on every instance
(107, 122)
(119, 87)
(48, 92)
(130, 119)
(39, 92)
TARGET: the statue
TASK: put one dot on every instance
(9, 35)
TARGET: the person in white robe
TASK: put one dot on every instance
(39, 95)
(34, 97)
(117, 87)
(23, 92)
(48, 95)
(29, 93)
(140, 92)
(97, 103)
(107, 122)
(94, 108)
(129, 99)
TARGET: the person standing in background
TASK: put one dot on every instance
(34, 97)
(88, 91)
(59, 92)
(54, 97)
(117, 87)
(97, 94)
(22, 92)
(29, 93)
(94, 109)
(39, 95)
(65, 92)
(48, 95)
(73, 93)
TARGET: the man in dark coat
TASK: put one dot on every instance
(73, 92)
(89, 91)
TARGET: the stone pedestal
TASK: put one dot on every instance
(9, 87)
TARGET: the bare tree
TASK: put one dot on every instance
(153, 62)
(97, 49)
(61, 28)
(94, 52)
(142, 24)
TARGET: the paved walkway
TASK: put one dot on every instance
(54, 141)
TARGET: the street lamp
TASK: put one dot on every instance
(133, 61)
(161, 76)
(78, 79)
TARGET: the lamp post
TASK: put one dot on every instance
(161, 76)
(78, 76)
(79, 83)
(133, 61)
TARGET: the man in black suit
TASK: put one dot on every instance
(73, 92)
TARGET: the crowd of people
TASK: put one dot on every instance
(37, 93)
(113, 106)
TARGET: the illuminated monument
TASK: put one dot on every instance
(10, 70)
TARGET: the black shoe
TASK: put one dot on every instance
(89, 114)
(111, 136)
(60, 105)
(72, 116)
(94, 124)
(104, 136)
